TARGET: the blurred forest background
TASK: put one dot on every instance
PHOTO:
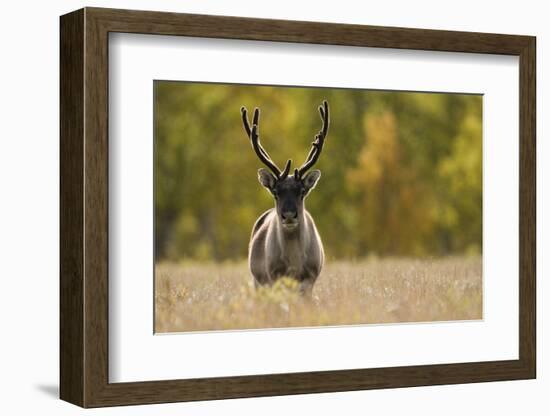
(401, 171)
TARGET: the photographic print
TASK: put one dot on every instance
(282, 206)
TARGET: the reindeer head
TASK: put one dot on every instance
(289, 192)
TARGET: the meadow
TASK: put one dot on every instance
(198, 296)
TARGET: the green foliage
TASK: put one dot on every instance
(401, 172)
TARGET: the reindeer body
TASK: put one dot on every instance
(285, 240)
(275, 253)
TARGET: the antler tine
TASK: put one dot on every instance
(286, 170)
(317, 145)
(244, 114)
(255, 140)
(255, 120)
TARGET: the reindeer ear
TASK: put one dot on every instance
(310, 179)
(266, 178)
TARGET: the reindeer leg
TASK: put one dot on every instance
(306, 289)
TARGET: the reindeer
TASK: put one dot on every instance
(284, 240)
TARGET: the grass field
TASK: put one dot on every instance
(202, 297)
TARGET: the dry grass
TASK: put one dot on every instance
(201, 297)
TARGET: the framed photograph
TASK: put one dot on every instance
(255, 207)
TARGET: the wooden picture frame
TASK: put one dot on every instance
(84, 207)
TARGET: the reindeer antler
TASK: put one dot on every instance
(254, 137)
(317, 145)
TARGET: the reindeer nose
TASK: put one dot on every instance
(290, 215)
